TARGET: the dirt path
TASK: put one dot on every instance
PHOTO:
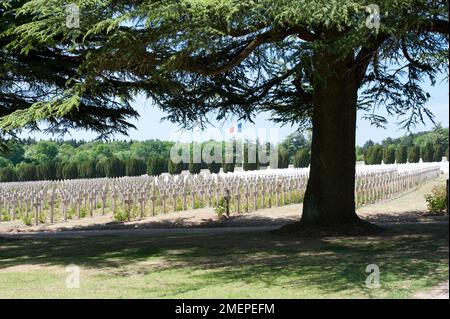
(438, 292)
(410, 207)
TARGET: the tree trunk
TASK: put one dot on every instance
(329, 199)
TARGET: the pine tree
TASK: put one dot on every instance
(427, 152)
(401, 154)
(157, 165)
(116, 167)
(135, 167)
(389, 155)
(283, 158)
(302, 158)
(414, 154)
(438, 153)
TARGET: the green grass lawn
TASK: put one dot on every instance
(254, 265)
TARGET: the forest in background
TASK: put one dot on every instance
(31, 160)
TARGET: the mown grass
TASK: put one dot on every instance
(411, 258)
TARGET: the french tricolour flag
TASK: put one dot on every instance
(232, 129)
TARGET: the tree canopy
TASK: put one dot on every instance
(196, 57)
(36, 84)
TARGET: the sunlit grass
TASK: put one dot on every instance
(257, 265)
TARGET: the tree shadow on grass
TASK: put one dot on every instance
(405, 217)
(191, 222)
(331, 265)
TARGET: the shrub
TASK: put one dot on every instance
(83, 212)
(221, 207)
(27, 220)
(42, 218)
(437, 200)
(70, 213)
(121, 215)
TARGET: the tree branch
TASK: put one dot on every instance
(200, 64)
(366, 55)
(435, 25)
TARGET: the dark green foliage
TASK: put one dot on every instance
(46, 171)
(8, 174)
(135, 167)
(228, 164)
(293, 142)
(228, 167)
(93, 158)
(214, 167)
(389, 154)
(59, 170)
(28, 77)
(195, 158)
(194, 168)
(283, 158)
(374, 155)
(427, 152)
(41, 152)
(157, 165)
(302, 158)
(414, 154)
(365, 148)
(368, 155)
(426, 145)
(87, 169)
(26, 172)
(307, 62)
(69, 170)
(202, 57)
(116, 167)
(401, 154)
(251, 161)
(14, 152)
(438, 153)
(175, 168)
(437, 200)
(101, 168)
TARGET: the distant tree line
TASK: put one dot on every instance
(31, 160)
(429, 146)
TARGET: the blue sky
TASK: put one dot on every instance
(149, 125)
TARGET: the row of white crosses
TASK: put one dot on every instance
(54, 201)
